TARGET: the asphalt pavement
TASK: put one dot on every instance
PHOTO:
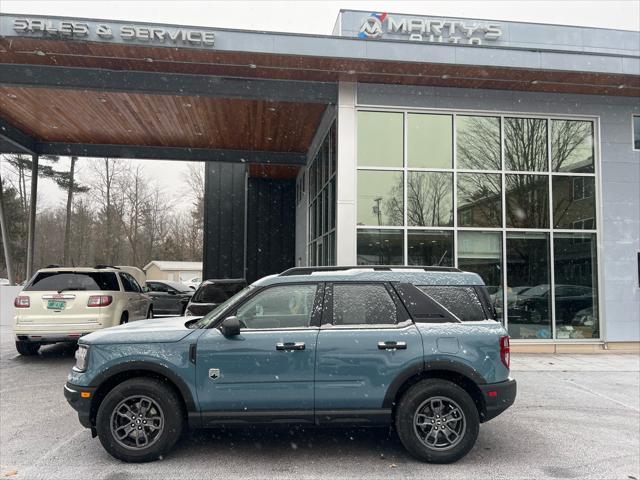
(576, 417)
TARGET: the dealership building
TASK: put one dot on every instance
(504, 148)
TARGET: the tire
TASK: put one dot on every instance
(124, 318)
(28, 349)
(161, 402)
(417, 405)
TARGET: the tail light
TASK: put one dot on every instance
(505, 353)
(99, 300)
(22, 302)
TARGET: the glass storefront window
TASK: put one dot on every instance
(574, 205)
(430, 199)
(527, 201)
(430, 140)
(380, 139)
(430, 247)
(481, 252)
(528, 285)
(572, 146)
(380, 198)
(525, 144)
(524, 194)
(479, 200)
(380, 247)
(478, 143)
(576, 285)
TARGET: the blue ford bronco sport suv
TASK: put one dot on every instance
(414, 347)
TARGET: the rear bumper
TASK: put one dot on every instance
(73, 394)
(497, 398)
(55, 332)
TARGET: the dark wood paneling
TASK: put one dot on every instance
(242, 64)
(271, 223)
(54, 115)
(224, 220)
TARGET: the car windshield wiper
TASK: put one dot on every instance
(70, 289)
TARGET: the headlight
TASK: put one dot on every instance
(82, 358)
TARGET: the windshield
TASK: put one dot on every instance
(210, 317)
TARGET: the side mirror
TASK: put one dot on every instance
(230, 326)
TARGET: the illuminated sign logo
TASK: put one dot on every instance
(427, 29)
(372, 26)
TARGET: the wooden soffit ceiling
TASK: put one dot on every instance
(90, 117)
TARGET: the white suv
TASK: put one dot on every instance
(61, 304)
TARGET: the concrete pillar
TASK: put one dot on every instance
(32, 216)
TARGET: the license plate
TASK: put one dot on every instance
(56, 304)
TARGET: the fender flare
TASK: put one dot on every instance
(425, 367)
(149, 367)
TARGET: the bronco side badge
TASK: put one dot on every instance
(214, 373)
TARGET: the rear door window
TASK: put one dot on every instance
(46, 281)
(463, 302)
(126, 283)
(363, 304)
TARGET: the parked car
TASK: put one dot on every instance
(61, 304)
(4, 281)
(169, 298)
(193, 283)
(212, 293)
(533, 304)
(365, 346)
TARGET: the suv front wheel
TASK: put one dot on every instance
(140, 420)
(437, 421)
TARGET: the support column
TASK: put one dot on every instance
(346, 175)
(32, 216)
(224, 220)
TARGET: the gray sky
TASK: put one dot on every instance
(313, 17)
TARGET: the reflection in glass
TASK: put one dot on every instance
(576, 285)
(478, 143)
(430, 247)
(380, 139)
(527, 198)
(572, 146)
(430, 199)
(430, 140)
(574, 202)
(481, 252)
(380, 198)
(479, 200)
(528, 285)
(525, 144)
(380, 247)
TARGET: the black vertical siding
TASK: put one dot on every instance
(271, 222)
(224, 220)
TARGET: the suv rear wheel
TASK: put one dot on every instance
(437, 421)
(140, 420)
(27, 348)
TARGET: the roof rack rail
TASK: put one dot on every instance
(54, 265)
(100, 265)
(380, 268)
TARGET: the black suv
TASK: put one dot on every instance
(212, 293)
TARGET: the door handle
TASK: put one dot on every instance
(392, 345)
(290, 346)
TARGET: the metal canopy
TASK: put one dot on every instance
(167, 84)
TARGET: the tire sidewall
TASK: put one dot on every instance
(413, 398)
(166, 399)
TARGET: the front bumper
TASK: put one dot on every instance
(80, 402)
(497, 398)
